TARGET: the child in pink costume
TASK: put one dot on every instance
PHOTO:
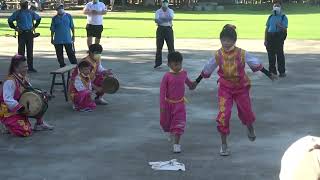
(234, 84)
(80, 89)
(172, 100)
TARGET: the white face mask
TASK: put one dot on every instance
(60, 11)
(165, 4)
(277, 9)
(97, 57)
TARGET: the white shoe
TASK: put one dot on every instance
(177, 148)
(251, 133)
(224, 151)
(86, 110)
(101, 101)
(43, 127)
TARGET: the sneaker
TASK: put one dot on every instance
(43, 127)
(282, 75)
(85, 110)
(224, 151)
(32, 70)
(156, 66)
(177, 148)
(251, 133)
(101, 101)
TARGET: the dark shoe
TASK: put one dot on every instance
(282, 75)
(32, 70)
(157, 65)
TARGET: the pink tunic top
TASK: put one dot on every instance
(172, 88)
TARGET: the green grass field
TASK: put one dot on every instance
(250, 22)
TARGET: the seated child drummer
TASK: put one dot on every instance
(13, 115)
(98, 73)
(80, 88)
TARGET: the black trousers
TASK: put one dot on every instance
(70, 52)
(25, 40)
(275, 43)
(164, 33)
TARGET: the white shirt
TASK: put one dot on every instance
(78, 84)
(164, 18)
(9, 88)
(95, 19)
(251, 60)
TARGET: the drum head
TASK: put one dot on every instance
(32, 102)
(110, 85)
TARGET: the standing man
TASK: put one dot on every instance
(25, 27)
(163, 18)
(275, 35)
(94, 11)
(61, 28)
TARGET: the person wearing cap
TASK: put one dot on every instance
(61, 28)
(98, 72)
(163, 18)
(275, 35)
(94, 11)
(25, 27)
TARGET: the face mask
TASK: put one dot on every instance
(97, 57)
(60, 11)
(276, 10)
(165, 4)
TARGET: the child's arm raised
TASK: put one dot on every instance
(256, 65)
(207, 69)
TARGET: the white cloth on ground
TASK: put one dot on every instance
(172, 165)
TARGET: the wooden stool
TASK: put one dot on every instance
(62, 71)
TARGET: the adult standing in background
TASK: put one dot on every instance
(25, 27)
(163, 18)
(61, 28)
(275, 35)
(94, 11)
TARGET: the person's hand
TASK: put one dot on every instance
(73, 38)
(17, 29)
(94, 12)
(52, 42)
(265, 43)
(193, 85)
(108, 72)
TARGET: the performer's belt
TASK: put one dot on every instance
(184, 99)
(164, 26)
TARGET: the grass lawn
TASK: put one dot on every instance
(250, 22)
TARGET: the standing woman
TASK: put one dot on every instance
(12, 113)
(275, 35)
(163, 18)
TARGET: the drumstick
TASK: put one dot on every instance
(28, 105)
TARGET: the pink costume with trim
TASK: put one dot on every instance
(17, 124)
(234, 85)
(172, 102)
(80, 89)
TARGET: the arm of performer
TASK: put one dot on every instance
(86, 10)
(11, 19)
(163, 92)
(72, 28)
(104, 11)
(78, 84)
(9, 88)
(157, 18)
(256, 65)
(52, 29)
(207, 70)
(170, 15)
(37, 18)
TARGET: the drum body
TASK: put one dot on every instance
(110, 85)
(35, 101)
